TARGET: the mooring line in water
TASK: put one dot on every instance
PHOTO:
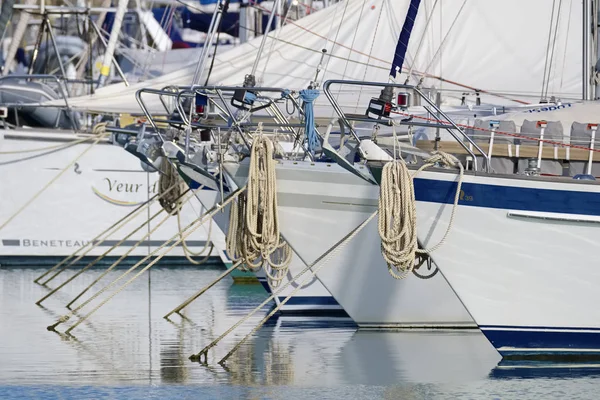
(90, 265)
(195, 224)
(127, 253)
(120, 259)
(66, 259)
(100, 257)
(321, 261)
(95, 242)
(100, 130)
(203, 290)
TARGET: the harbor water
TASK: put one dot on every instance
(127, 350)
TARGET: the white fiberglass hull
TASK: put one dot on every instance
(319, 204)
(521, 257)
(103, 186)
(311, 298)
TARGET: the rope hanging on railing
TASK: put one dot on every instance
(168, 177)
(253, 235)
(397, 213)
(308, 97)
(237, 237)
(171, 202)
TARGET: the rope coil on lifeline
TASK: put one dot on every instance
(171, 202)
(172, 242)
(397, 222)
(253, 235)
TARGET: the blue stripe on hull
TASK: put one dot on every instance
(265, 285)
(303, 300)
(539, 340)
(50, 261)
(507, 197)
(310, 301)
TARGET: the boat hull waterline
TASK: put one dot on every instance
(519, 257)
(100, 188)
(312, 298)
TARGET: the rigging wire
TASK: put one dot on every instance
(273, 41)
(566, 46)
(435, 56)
(548, 47)
(414, 58)
(334, 41)
(553, 47)
(352, 45)
(423, 74)
(370, 53)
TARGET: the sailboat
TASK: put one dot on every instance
(519, 246)
(325, 195)
(517, 253)
(96, 183)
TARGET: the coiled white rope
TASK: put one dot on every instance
(261, 209)
(397, 213)
(253, 233)
(236, 241)
(167, 178)
(171, 203)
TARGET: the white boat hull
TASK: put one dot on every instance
(520, 256)
(311, 298)
(100, 188)
(319, 204)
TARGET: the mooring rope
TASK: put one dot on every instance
(100, 131)
(203, 290)
(55, 147)
(95, 243)
(127, 253)
(172, 204)
(319, 263)
(253, 233)
(397, 223)
(193, 226)
(99, 258)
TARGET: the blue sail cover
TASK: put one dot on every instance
(404, 37)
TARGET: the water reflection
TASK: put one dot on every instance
(128, 343)
(512, 369)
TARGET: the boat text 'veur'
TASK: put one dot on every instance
(63, 185)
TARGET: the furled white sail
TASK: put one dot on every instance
(456, 46)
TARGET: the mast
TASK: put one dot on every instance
(112, 41)
(586, 42)
(213, 29)
(595, 47)
(590, 50)
(18, 34)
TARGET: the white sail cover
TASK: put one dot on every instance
(457, 46)
(587, 112)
